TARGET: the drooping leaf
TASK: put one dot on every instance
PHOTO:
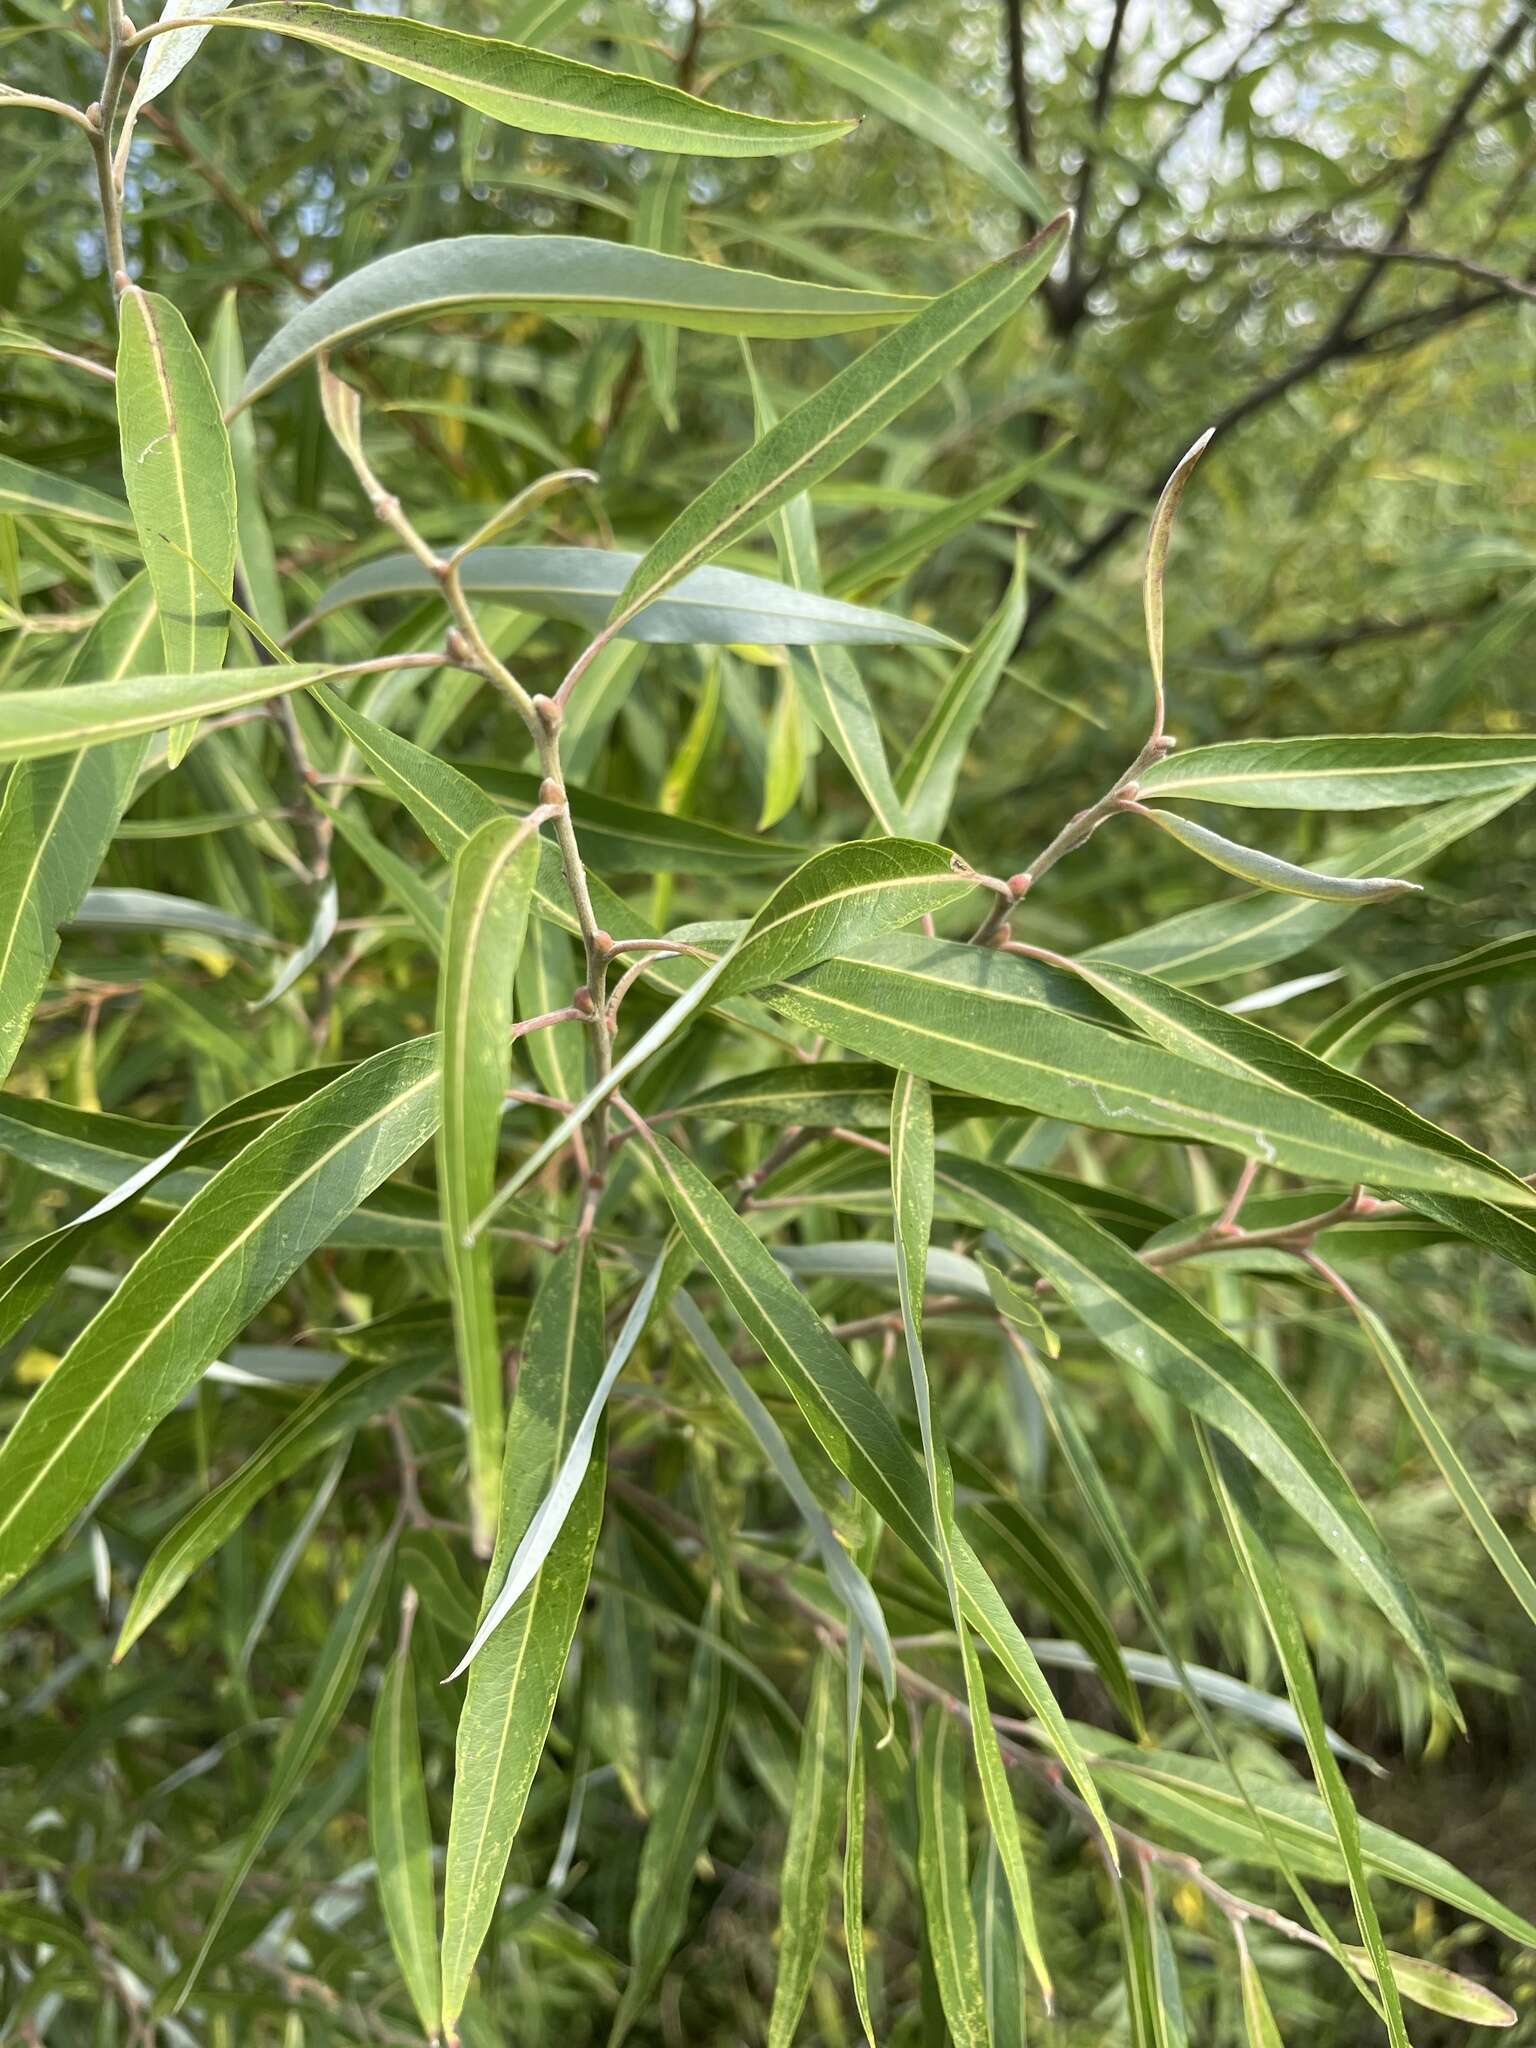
(332, 1678)
(400, 1837)
(1352, 1030)
(805, 1880)
(1155, 1329)
(680, 1823)
(943, 1868)
(510, 1699)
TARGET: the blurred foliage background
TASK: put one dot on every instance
(1358, 554)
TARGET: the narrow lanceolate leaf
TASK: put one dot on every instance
(36, 493)
(825, 430)
(548, 1518)
(805, 1881)
(566, 275)
(853, 1425)
(89, 714)
(1258, 2020)
(853, 1847)
(1246, 1050)
(57, 819)
(513, 1683)
(1259, 929)
(180, 479)
(1002, 1815)
(257, 558)
(1346, 772)
(1441, 1990)
(1241, 1515)
(839, 897)
(943, 1871)
(487, 916)
(860, 1602)
(1156, 1329)
(332, 1679)
(361, 1389)
(169, 56)
(713, 607)
(1268, 870)
(927, 777)
(830, 685)
(994, 1025)
(679, 1829)
(907, 97)
(527, 88)
(400, 1837)
(1441, 1448)
(208, 1273)
(1196, 1798)
(1352, 1030)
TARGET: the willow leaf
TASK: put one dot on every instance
(1346, 771)
(805, 1882)
(531, 89)
(218, 1262)
(487, 914)
(513, 1683)
(823, 431)
(567, 276)
(400, 1837)
(943, 1870)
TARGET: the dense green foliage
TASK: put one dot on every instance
(679, 1360)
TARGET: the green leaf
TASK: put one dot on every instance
(995, 1025)
(680, 1823)
(527, 88)
(943, 1873)
(1440, 1989)
(927, 777)
(1352, 1030)
(904, 96)
(567, 276)
(1196, 1799)
(1256, 930)
(997, 1797)
(1020, 1307)
(513, 1683)
(839, 897)
(1002, 1960)
(57, 818)
(202, 1280)
(853, 1849)
(658, 227)
(1347, 771)
(829, 684)
(1269, 871)
(852, 1423)
(859, 1599)
(333, 1676)
(1463, 1486)
(1154, 1328)
(805, 1881)
(1258, 2020)
(257, 559)
(712, 607)
(400, 1837)
(784, 767)
(915, 544)
(180, 479)
(1240, 1513)
(34, 492)
(823, 431)
(487, 914)
(362, 1388)
(57, 721)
